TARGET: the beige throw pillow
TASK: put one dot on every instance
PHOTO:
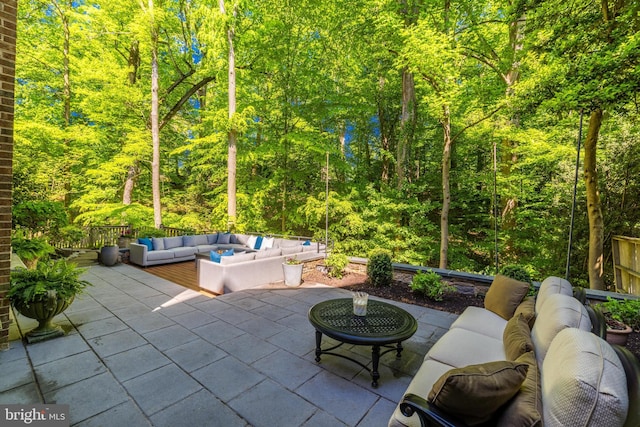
(475, 392)
(504, 296)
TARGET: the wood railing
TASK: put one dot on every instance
(98, 236)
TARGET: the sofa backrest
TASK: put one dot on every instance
(558, 312)
(550, 286)
(583, 382)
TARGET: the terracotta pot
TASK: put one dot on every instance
(618, 336)
(44, 310)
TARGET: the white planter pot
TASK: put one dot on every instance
(292, 274)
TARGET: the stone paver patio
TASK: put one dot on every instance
(141, 350)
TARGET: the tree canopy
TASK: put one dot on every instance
(451, 126)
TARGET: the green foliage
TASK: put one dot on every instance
(625, 310)
(516, 272)
(379, 268)
(39, 216)
(431, 285)
(336, 263)
(30, 250)
(53, 275)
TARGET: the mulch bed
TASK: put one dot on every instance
(469, 294)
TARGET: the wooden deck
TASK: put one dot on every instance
(182, 273)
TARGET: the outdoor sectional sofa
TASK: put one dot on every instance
(250, 270)
(165, 250)
(493, 368)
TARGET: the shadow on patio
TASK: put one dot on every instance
(141, 350)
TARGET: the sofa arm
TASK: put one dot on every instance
(138, 254)
(428, 413)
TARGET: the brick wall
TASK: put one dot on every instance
(8, 11)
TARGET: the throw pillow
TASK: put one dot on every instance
(475, 392)
(251, 242)
(527, 309)
(267, 243)
(517, 337)
(229, 252)
(147, 242)
(224, 238)
(158, 243)
(525, 409)
(307, 243)
(504, 296)
(212, 238)
(258, 243)
(173, 242)
(215, 256)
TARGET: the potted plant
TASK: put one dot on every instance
(125, 238)
(45, 292)
(292, 269)
(622, 317)
(30, 250)
(109, 254)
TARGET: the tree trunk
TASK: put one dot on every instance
(155, 128)
(66, 95)
(407, 122)
(232, 150)
(446, 191)
(594, 208)
(129, 184)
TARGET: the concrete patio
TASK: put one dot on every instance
(141, 350)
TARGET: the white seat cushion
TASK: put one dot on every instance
(423, 380)
(459, 347)
(482, 321)
(583, 382)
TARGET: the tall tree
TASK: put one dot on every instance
(232, 135)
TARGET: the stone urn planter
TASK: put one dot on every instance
(109, 255)
(45, 292)
(292, 269)
(44, 309)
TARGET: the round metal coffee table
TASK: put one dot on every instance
(383, 326)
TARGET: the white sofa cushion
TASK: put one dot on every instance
(157, 255)
(193, 241)
(482, 321)
(290, 250)
(226, 260)
(158, 243)
(430, 371)
(267, 253)
(583, 382)
(558, 312)
(550, 286)
(459, 347)
(173, 242)
(267, 243)
(251, 241)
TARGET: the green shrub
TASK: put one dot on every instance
(516, 272)
(30, 250)
(379, 268)
(430, 285)
(520, 273)
(626, 311)
(336, 264)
